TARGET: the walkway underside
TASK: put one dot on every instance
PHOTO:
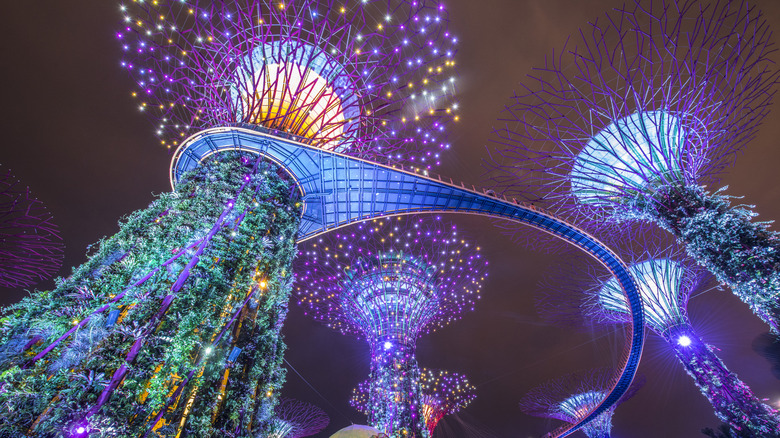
(339, 190)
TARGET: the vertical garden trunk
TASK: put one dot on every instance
(172, 327)
(733, 401)
(394, 391)
(742, 254)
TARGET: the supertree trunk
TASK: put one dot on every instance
(742, 254)
(733, 401)
(394, 392)
(172, 326)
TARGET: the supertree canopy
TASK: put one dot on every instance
(296, 419)
(573, 396)
(173, 325)
(368, 78)
(666, 281)
(389, 281)
(441, 393)
(647, 107)
(30, 246)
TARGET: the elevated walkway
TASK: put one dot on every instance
(338, 190)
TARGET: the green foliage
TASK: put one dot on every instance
(742, 254)
(232, 225)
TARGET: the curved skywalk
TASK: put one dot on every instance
(338, 190)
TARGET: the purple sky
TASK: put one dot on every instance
(71, 131)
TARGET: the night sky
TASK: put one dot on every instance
(71, 132)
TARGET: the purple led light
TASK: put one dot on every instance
(335, 79)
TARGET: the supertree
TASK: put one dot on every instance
(30, 246)
(441, 393)
(666, 280)
(637, 117)
(373, 79)
(173, 325)
(295, 419)
(390, 281)
(570, 397)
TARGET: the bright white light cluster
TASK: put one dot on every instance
(662, 285)
(629, 155)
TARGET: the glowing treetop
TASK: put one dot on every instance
(390, 280)
(654, 95)
(571, 397)
(441, 393)
(666, 281)
(296, 419)
(30, 244)
(371, 78)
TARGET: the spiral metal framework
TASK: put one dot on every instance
(390, 280)
(666, 280)
(30, 245)
(569, 398)
(298, 419)
(373, 79)
(652, 94)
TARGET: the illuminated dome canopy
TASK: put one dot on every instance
(389, 280)
(369, 78)
(664, 285)
(580, 405)
(630, 153)
(393, 284)
(573, 396)
(296, 89)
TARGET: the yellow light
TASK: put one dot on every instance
(262, 284)
(315, 113)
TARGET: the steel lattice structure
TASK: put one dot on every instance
(369, 78)
(389, 281)
(209, 228)
(569, 397)
(666, 281)
(441, 393)
(30, 245)
(296, 419)
(641, 111)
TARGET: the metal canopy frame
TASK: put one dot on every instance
(339, 190)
